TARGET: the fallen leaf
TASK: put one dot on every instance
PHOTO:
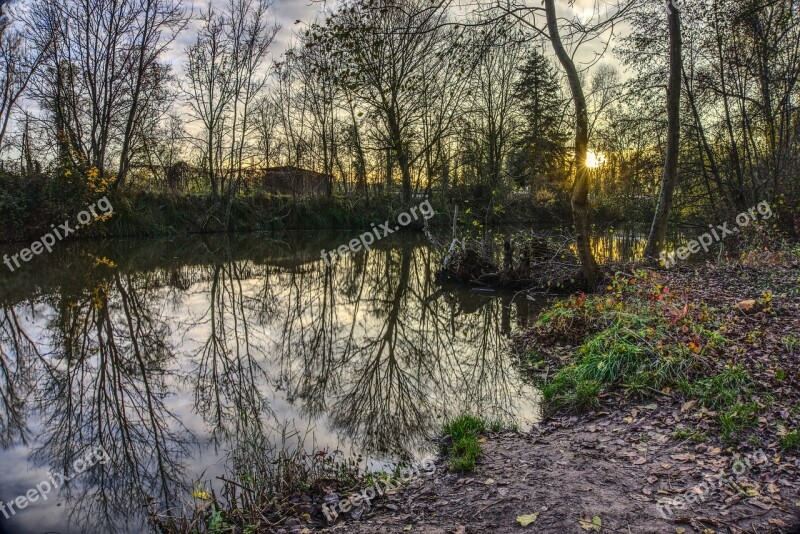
(680, 530)
(407, 528)
(594, 524)
(746, 305)
(639, 461)
(489, 481)
(528, 519)
(761, 504)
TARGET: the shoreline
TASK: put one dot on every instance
(624, 459)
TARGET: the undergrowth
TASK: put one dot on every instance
(640, 339)
(267, 482)
(637, 337)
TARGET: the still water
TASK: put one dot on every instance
(170, 354)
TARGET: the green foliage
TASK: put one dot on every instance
(792, 343)
(738, 419)
(499, 425)
(538, 157)
(791, 441)
(463, 454)
(29, 207)
(464, 448)
(564, 393)
(724, 389)
(464, 425)
(641, 339)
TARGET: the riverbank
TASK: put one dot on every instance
(689, 415)
(160, 214)
(29, 209)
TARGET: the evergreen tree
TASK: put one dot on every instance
(540, 152)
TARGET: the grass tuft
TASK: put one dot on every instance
(737, 419)
(791, 441)
(724, 389)
(464, 449)
(685, 434)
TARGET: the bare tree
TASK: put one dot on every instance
(386, 51)
(578, 32)
(661, 219)
(224, 77)
(580, 188)
(18, 64)
(100, 58)
(157, 25)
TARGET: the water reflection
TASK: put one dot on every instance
(169, 355)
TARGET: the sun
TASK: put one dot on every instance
(595, 159)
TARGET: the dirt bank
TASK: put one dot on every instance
(608, 471)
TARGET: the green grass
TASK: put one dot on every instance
(685, 434)
(791, 441)
(564, 393)
(791, 343)
(736, 420)
(463, 454)
(464, 448)
(464, 425)
(620, 355)
(640, 338)
(498, 425)
(723, 390)
(723, 393)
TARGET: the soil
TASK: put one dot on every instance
(608, 470)
(615, 467)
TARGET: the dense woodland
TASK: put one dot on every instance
(685, 111)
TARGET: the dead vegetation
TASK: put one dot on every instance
(542, 262)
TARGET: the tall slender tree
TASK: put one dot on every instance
(658, 231)
(580, 188)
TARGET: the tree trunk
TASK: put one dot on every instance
(580, 189)
(658, 231)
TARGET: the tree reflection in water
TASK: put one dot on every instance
(232, 339)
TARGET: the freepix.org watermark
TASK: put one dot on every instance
(378, 489)
(43, 488)
(702, 491)
(717, 233)
(49, 239)
(377, 233)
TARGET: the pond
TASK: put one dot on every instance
(164, 356)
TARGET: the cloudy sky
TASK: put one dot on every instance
(287, 12)
(284, 12)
